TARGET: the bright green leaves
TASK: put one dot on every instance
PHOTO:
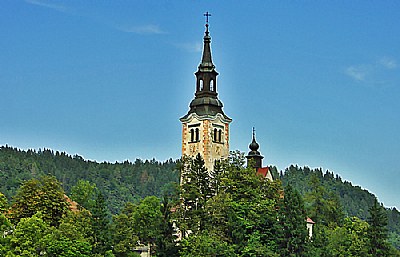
(35, 237)
(84, 193)
(147, 219)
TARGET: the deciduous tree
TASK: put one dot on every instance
(45, 195)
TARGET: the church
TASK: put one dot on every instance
(205, 128)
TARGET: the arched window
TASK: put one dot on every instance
(212, 85)
(197, 134)
(220, 135)
(201, 85)
(215, 135)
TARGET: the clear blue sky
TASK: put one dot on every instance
(109, 80)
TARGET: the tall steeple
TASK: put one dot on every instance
(206, 100)
(205, 128)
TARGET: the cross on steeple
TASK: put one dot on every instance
(207, 14)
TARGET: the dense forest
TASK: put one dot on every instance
(229, 211)
(119, 182)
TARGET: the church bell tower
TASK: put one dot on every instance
(205, 128)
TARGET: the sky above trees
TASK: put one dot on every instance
(109, 80)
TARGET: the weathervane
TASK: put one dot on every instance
(207, 14)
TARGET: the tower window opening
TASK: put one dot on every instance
(192, 135)
(201, 85)
(212, 85)
(197, 134)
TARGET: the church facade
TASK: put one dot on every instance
(205, 128)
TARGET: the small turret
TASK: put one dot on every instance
(254, 157)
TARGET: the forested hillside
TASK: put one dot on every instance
(129, 192)
(130, 182)
(119, 182)
(353, 200)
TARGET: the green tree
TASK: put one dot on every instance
(84, 193)
(45, 195)
(323, 206)
(251, 208)
(377, 232)
(349, 240)
(27, 237)
(292, 217)
(101, 225)
(166, 239)
(82, 222)
(203, 244)
(66, 241)
(124, 236)
(147, 220)
(6, 230)
(196, 189)
(255, 247)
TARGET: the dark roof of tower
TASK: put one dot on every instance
(206, 64)
(206, 102)
(254, 146)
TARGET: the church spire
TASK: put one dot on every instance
(206, 61)
(206, 102)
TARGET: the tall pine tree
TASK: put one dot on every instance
(377, 231)
(101, 225)
(293, 220)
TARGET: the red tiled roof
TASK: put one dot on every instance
(263, 171)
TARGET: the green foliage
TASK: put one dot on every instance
(165, 244)
(377, 232)
(3, 203)
(101, 225)
(34, 237)
(5, 229)
(292, 217)
(350, 239)
(124, 236)
(323, 206)
(238, 213)
(204, 244)
(84, 194)
(350, 201)
(196, 188)
(58, 244)
(255, 247)
(27, 238)
(119, 182)
(82, 223)
(45, 195)
(147, 219)
(230, 210)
